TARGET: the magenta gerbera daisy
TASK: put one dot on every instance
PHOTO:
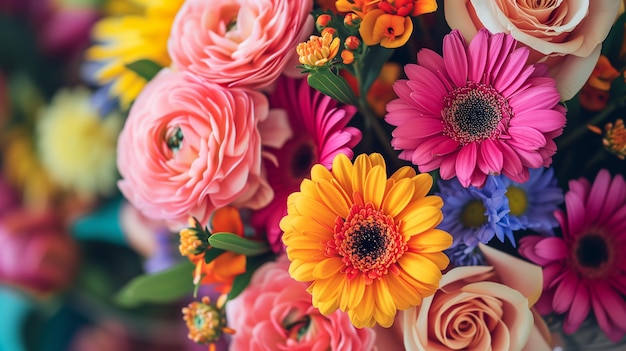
(585, 269)
(478, 110)
(320, 132)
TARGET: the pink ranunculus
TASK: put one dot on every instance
(481, 308)
(189, 147)
(36, 252)
(566, 35)
(240, 43)
(275, 312)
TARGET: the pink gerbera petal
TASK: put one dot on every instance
(586, 269)
(476, 92)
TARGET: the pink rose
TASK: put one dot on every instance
(36, 253)
(567, 35)
(189, 147)
(275, 313)
(239, 43)
(481, 308)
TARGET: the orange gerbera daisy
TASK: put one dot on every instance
(367, 244)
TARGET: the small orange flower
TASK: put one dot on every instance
(614, 139)
(206, 321)
(318, 51)
(347, 57)
(194, 242)
(390, 31)
(360, 7)
(594, 95)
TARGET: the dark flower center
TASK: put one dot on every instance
(174, 139)
(592, 251)
(304, 156)
(472, 113)
(368, 241)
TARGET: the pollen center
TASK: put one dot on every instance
(473, 214)
(518, 202)
(472, 113)
(593, 255)
(368, 241)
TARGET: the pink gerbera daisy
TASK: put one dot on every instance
(586, 268)
(478, 110)
(320, 132)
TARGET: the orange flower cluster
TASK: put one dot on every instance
(194, 244)
(594, 95)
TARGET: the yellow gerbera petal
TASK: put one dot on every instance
(365, 265)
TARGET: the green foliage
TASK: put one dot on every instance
(332, 85)
(145, 68)
(161, 287)
(234, 243)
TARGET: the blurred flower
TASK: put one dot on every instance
(126, 38)
(367, 244)
(206, 321)
(320, 132)
(474, 215)
(275, 313)
(189, 147)
(481, 308)
(247, 43)
(614, 140)
(475, 111)
(318, 51)
(390, 24)
(36, 253)
(533, 203)
(586, 268)
(359, 7)
(381, 91)
(65, 30)
(76, 146)
(566, 35)
(9, 198)
(595, 93)
(194, 243)
(24, 172)
(463, 255)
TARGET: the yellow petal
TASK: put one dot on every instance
(342, 170)
(398, 197)
(423, 183)
(319, 172)
(403, 293)
(374, 189)
(434, 240)
(302, 270)
(327, 268)
(385, 309)
(334, 198)
(420, 268)
(419, 220)
(403, 172)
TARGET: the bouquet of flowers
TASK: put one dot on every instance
(314, 175)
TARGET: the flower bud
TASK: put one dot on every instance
(347, 57)
(352, 20)
(322, 21)
(352, 43)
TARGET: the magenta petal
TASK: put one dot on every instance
(447, 167)
(477, 55)
(575, 209)
(579, 310)
(455, 57)
(615, 198)
(543, 121)
(597, 195)
(565, 291)
(491, 159)
(510, 74)
(526, 138)
(465, 163)
(552, 248)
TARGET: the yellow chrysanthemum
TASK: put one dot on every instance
(128, 38)
(367, 244)
(76, 146)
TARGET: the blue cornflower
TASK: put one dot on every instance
(533, 203)
(474, 215)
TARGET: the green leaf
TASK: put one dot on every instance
(212, 253)
(332, 85)
(161, 287)
(234, 243)
(145, 68)
(375, 58)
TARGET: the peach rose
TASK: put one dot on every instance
(567, 35)
(481, 308)
(189, 147)
(275, 312)
(239, 43)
